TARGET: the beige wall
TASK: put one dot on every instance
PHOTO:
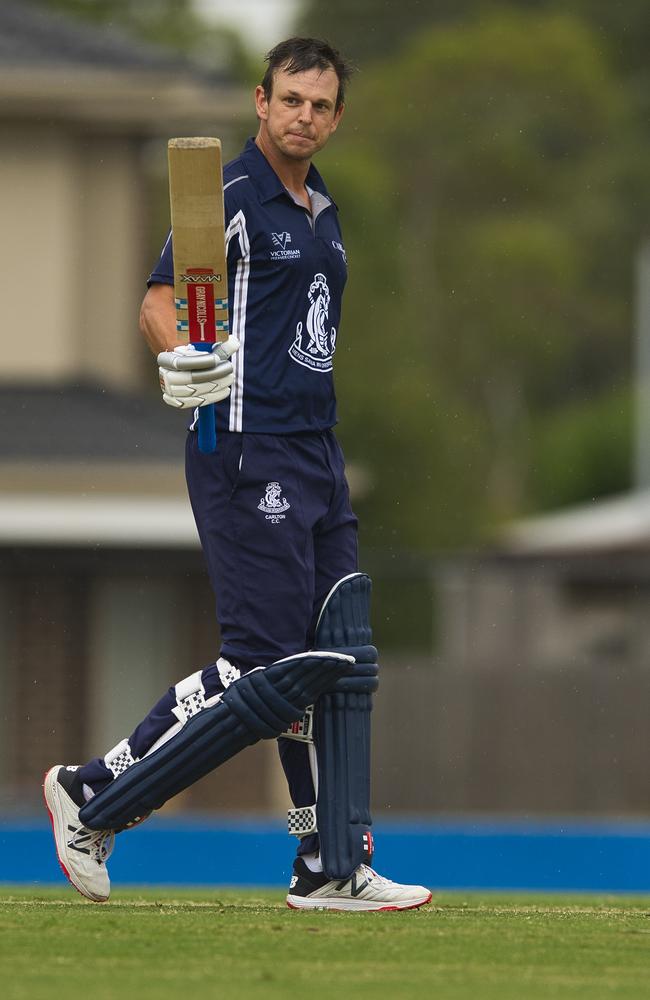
(111, 222)
(71, 256)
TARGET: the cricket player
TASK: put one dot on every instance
(273, 513)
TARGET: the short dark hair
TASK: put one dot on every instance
(296, 55)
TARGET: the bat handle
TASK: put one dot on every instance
(207, 430)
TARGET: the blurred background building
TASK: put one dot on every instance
(104, 598)
(491, 173)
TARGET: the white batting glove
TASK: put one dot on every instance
(190, 378)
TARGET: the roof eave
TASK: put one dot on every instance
(133, 100)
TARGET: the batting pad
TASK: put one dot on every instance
(259, 705)
(342, 731)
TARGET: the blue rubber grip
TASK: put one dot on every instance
(207, 430)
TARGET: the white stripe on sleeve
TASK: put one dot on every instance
(237, 227)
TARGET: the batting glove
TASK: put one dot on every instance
(190, 378)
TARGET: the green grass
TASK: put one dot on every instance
(182, 944)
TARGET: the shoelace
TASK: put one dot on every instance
(97, 843)
(371, 875)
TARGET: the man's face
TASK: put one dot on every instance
(301, 114)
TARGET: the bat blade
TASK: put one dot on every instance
(198, 242)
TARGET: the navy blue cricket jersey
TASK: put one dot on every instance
(286, 274)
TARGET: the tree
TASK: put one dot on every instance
(367, 31)
(491, 182)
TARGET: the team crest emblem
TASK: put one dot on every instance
(341, 250)
(281, 240)
(314, 344)
(273, 503)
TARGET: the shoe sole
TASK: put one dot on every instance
(352, 905)
(51, 796)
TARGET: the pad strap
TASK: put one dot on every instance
(302, 822)
(190, 697)
(119, 758)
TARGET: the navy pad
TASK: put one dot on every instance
(344, 619)
(342, 731)
(342, 739)
(260, 704)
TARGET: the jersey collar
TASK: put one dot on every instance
(267, 182)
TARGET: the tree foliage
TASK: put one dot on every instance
(491, 170)
(491, 176)
(367, 30)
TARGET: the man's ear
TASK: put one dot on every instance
(338, 114)
(261, 103)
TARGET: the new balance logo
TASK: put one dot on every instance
(78, 838)
(356, 888)
(294, 882)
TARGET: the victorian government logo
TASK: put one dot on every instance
(315, 344)
(282, 240)
(273, 503)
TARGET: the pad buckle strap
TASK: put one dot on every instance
(120, 758)
(302, 729)
(227, 672)
(190, 697)
(301, 822)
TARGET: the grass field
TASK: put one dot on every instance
(166, 944)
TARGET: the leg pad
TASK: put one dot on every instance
(342, 731)
(259, 705)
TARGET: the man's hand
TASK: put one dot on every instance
(190, 378)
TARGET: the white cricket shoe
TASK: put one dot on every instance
(364, 890)
(82, 853)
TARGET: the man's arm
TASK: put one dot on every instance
(158, 319)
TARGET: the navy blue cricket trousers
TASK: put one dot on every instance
(274, 517)
(277, 530)
(273, 514)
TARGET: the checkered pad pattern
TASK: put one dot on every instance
(192, 703)
(121, 761)
(302, 822)
(227, 673)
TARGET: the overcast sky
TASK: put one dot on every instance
(261, 22)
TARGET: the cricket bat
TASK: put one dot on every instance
(198, 243)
